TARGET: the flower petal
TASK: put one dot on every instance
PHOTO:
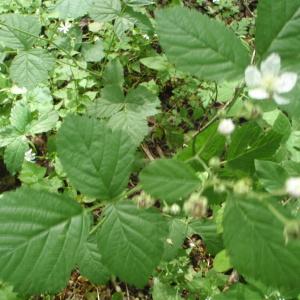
(259, 94)
(286, 82)
(280, 100)
(252, 77)
(271, 65)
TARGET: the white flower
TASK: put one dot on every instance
(226, 127)
(215, 1)
(269, 82)
(146, 36)
(64, 27)
(292, 186)
(16, 90)
(29, 156)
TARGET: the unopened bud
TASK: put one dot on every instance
(196, 206)
(175, 209)
(243, 186)
(214, 162)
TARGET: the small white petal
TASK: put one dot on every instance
(286, 82)
(280, 100)
(271, 65)
(292, 186)
(252, 77)
(259, 94)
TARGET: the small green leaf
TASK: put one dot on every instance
(199, 45)
(271, 175)
(164, 291)
(44, 123)
(222, 262)
(7, 135)
(158, 63)
(93, 52)
(29, 68)
(104, 10)
(20, 116)
(239, 292)
(96, 159)
(38, 231)
(131, 241)
(20, 31)
(253, 231)
(113, 73)
(14, 155)
(169, 180)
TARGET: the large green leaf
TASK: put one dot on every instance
(90, 263)
(254, 239)
(278, 27)
(131, 241)
(71, 8)
(199, 45)
(29, 68)
(131, 122)
(96, 159)
(104, 10)
(14, 155)
(169, 180)
(39, 233)
(14, 35)
(271, 175)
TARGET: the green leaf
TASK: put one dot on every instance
(252, 231)
(14, 155)
(222, 262)
(29, 68)
(278, 28)
(31, 173)
(7, 135)
(123, 24)
(158, 63)
(131, 241)
(177, 234)
(199, 45)
(20, 116)
(104, 10)
(208, 232)
(113, 73)
(132, 123)
(7, 292)
(38, 231)
(90, 263)
(19, 30)
(169, 180)
(93, 52)
(44, 123)
(139, 2)
(163, 291)
(271, 175)
(239, 292)
(97, 161)
(71, 8)
(206, 145)
(244, 149)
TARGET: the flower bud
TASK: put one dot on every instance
(292, 230)
(143, 200)
(196, 206)
(243, 186)
(175, 209)
(214, 162)
(292, 186)
(226, 127)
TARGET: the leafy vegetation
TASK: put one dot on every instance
(149, 149)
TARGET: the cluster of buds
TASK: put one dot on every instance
(143, 200)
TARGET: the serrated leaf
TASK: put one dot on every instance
(38, 231)
(7, 135)
(208, 232)
(278, 28)
(169, 180)
(93, 52)
(14, 155)
(90, 263)
(113, 73)
(271, 175)
(20, 116)
(29, 68)
(20, 31)
(239, 292)
(71, 8)
(131, 241)
(199, 45)
(164, 291)
(44, 123)
(96, 159)
(131, 122)
(251, 230)
(104, 10)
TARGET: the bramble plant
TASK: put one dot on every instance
(150, 144)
